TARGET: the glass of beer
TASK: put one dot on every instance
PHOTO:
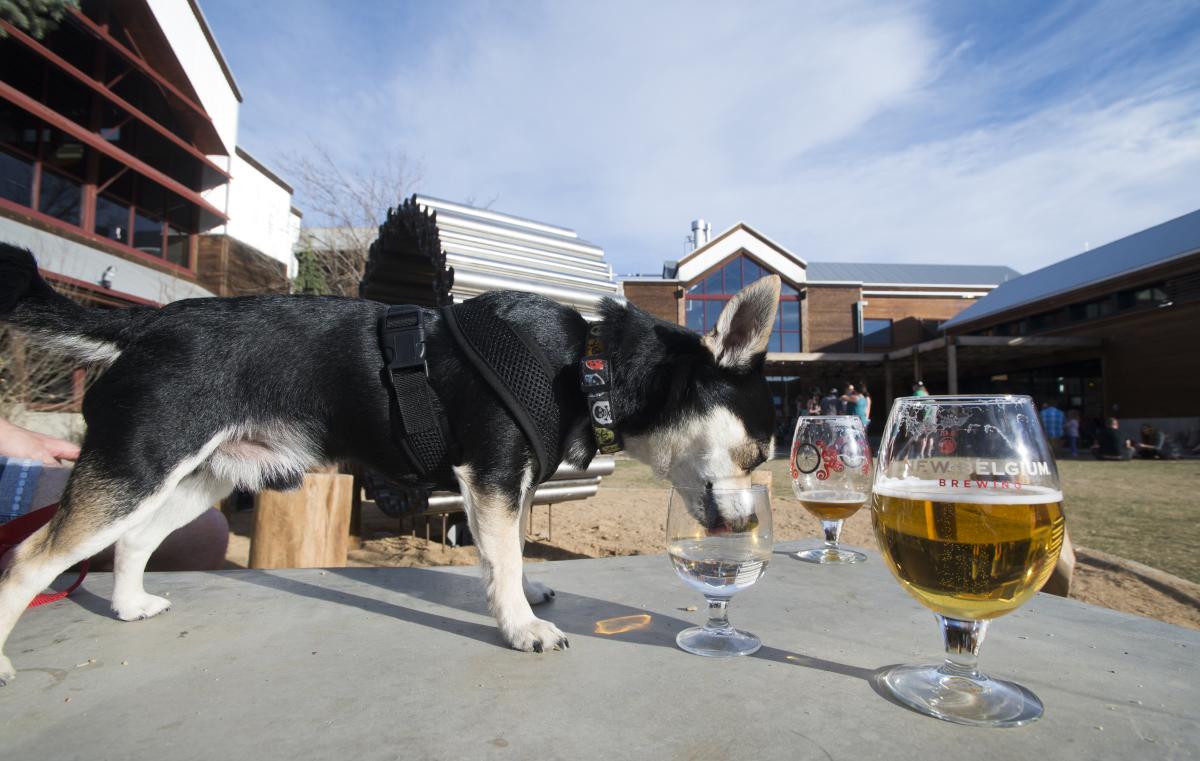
(719, 541)
(830, 467)
(967, 511)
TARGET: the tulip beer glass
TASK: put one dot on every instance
(967, 511)
(830, 467)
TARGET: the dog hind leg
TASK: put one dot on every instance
(195, 494)
(494, 519)
(78, 530)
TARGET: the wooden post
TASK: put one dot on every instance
(306, 528)
(889, 388)
(356, 510)
(951, 366)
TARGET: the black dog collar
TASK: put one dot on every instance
(595, 374)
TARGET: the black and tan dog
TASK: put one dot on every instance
(205, 395)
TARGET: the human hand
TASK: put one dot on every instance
(22, 443)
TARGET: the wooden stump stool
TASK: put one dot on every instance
(306, 528)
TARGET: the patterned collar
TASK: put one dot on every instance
(595, 376)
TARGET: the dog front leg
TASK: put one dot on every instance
(495, 524)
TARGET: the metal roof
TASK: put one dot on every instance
(473, 250)
(910, 274)
(1153, 246)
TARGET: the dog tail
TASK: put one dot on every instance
(28, 302)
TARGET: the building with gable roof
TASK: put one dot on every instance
(836, 321)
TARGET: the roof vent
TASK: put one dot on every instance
(670, 269)
(700, 233)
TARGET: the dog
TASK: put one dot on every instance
(203, 396)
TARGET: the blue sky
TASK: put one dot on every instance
(1014, 133)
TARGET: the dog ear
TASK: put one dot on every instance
(745, 324)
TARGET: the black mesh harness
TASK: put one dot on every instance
(510, 362)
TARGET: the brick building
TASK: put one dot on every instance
(837, 322)
(119, 163)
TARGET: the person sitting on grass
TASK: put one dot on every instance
(1111, 444)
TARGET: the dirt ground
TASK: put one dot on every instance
(630, 520)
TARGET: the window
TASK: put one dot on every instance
(16, 179)
(60, 197)
(112, 219)
(178, 250)
(877, 334)
(706, 298)
(147, 233)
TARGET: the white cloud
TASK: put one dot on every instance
(845, 131)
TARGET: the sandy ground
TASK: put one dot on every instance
(631, 521)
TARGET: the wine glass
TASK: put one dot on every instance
(968, 515)
(831, 475)
(719, 541)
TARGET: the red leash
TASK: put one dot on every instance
(17, 530)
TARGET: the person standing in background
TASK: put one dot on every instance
(1052, 422)
(830, 404)
(858, 403)
(919, 389)
(1071, 431)
(814, 402)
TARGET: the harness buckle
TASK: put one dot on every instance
(404, 337)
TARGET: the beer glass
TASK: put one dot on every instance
(830, 467)
(719, 541)
(967, 511)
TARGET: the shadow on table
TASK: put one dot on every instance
(576, 615)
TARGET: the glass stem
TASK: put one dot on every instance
(833, 529)
(718, 616)
(963, 640)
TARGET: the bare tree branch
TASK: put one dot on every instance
(350, 204)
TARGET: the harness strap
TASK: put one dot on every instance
(515, 367)
(18, 529)
(419, 427)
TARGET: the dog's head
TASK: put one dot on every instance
(715, 419)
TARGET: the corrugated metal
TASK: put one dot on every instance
(1156, 245)
(909, 274)
(481, 250)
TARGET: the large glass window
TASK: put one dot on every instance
(706, 298)
(178, 250)
(147, 233)
(16, 179)
(112, 219)
(60, 197)
(877, 334)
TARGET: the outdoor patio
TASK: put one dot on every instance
(406, 663)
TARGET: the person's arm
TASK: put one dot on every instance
(868, 408)
(24, 444)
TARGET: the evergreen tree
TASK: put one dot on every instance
(35, 17)
(309, 276)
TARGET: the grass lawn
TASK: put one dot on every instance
(1146, 511)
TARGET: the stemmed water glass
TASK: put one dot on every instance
(968, 515)
(719, 541)
(830, 467)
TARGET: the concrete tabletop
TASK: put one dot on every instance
(375, 663)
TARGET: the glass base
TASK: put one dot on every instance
(717, 644)
(982, 702)
(830, 555)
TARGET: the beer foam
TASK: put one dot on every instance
(929, 490)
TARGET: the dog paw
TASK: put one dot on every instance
(7, 672)
(141, 607)
(537, 636)
(537, 593)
